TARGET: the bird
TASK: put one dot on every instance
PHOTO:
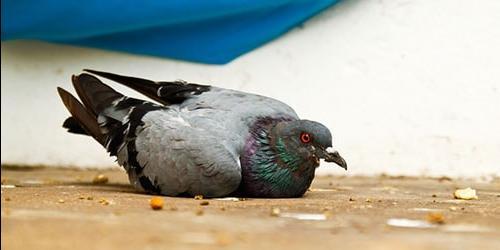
(193, 139)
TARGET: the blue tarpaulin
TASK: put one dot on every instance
(213, 32)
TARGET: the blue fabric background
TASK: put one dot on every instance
(213, 32)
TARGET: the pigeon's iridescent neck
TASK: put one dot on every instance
(268, 168)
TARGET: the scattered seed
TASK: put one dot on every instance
(453, 208)
(223, 239)
(435, 218)
(434, 196)
(100, 179)
(198, 197)
(60, 201)
(7, 198)
(199, 211)
(204, 203)
(275, 212)
(328, 214)
(351, 199)
(368, 200)
(90, 198)
(222, 208)
(156, 203)
(444, 178)
(104, 202)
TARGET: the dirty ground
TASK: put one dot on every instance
(47, 208)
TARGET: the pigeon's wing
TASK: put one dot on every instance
(179, 159)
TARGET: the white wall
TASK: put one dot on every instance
(407, 87)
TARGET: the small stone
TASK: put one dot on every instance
(81, 197)
(198, 197)
(100, 179)
(90, 198)
(156, 203)
(452, 208)
(434, 196)
(60, 201)
(275, 212)
(368, 200)
(204, 203)
(465, 194)
(351, 199)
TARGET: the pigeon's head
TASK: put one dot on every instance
(308, 140)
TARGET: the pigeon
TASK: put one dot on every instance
(193, 139)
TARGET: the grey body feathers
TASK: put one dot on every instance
(189, 146)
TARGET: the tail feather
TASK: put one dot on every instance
(86, 119)
(74, 126)
(146, 87)
(94, 94)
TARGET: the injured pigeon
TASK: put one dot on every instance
(200, 139)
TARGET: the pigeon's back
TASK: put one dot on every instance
(231, 113)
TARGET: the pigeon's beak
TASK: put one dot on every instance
(331, 155)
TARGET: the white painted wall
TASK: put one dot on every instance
(407, 87)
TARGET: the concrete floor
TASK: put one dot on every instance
(46, 208)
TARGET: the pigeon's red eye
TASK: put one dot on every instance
(305, 137)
